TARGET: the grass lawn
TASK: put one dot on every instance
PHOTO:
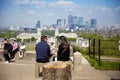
(104, 65)
(30, 47)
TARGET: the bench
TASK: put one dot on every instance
(37, 68)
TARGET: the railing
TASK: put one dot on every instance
(104, 50)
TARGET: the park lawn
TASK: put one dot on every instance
(30, 47)
(104, 65)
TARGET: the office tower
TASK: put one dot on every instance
(87, 25)
(93, 23)
(58, 22)
(70, 21)
(80, 21)
(61, 23)
(75, 21)
(38, 24)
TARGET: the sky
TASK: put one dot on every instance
(28, 12)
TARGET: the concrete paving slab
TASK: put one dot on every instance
(24, 70)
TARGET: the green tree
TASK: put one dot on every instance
(33, 39)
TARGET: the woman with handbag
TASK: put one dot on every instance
(63, 53)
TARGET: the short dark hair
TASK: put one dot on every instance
(5, 38)
(43, 38)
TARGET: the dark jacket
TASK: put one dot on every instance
(42, 51)
(63, 54)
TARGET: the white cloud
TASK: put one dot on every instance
(21, 2)
(69, 10)
(62, 3)
(38, 3)
(103, 8)
(50, 14)
(31, 12)
(104, 11)
(118, 8)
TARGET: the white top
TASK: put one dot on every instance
(23, 47)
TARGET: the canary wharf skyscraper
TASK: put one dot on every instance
(38, 24)
(80, 21)
(70, 21)
(93, 23)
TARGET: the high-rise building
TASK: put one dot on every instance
(61, 23)
(70, 21)
(38, 24)
(75, 21)
(80, 21)
(87, 25)
(93, 23)
(58, 22)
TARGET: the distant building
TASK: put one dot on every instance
(93, 23)
(87, 25)
(75, 21)
(82, 42)
(14, 28)
(30, 29)
(70, 22)
(68, 35)
(30, 35)
(80, 21)
(61, 23)
(38, 24)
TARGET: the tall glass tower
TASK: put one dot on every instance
(93, 23)
(38, 24)
(80, 21)
(70, 21)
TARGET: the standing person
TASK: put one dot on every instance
(15, 48)
(6, 49)
(22, 50)
(63, 53)
(42, 50)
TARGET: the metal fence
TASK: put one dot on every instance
(104, 50)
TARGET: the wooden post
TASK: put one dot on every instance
(57, 70)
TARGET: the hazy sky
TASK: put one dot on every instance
(27, 12)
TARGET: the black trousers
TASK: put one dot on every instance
(6, 56)
(12, 54)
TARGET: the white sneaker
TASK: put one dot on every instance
(6, 62)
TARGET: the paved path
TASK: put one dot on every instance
(24, 70)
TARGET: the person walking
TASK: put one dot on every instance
(63, 53)
(42, 50)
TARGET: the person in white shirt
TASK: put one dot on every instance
(22, 50)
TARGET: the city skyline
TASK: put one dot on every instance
(27, 12)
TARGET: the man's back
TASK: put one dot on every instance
(42, 52)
